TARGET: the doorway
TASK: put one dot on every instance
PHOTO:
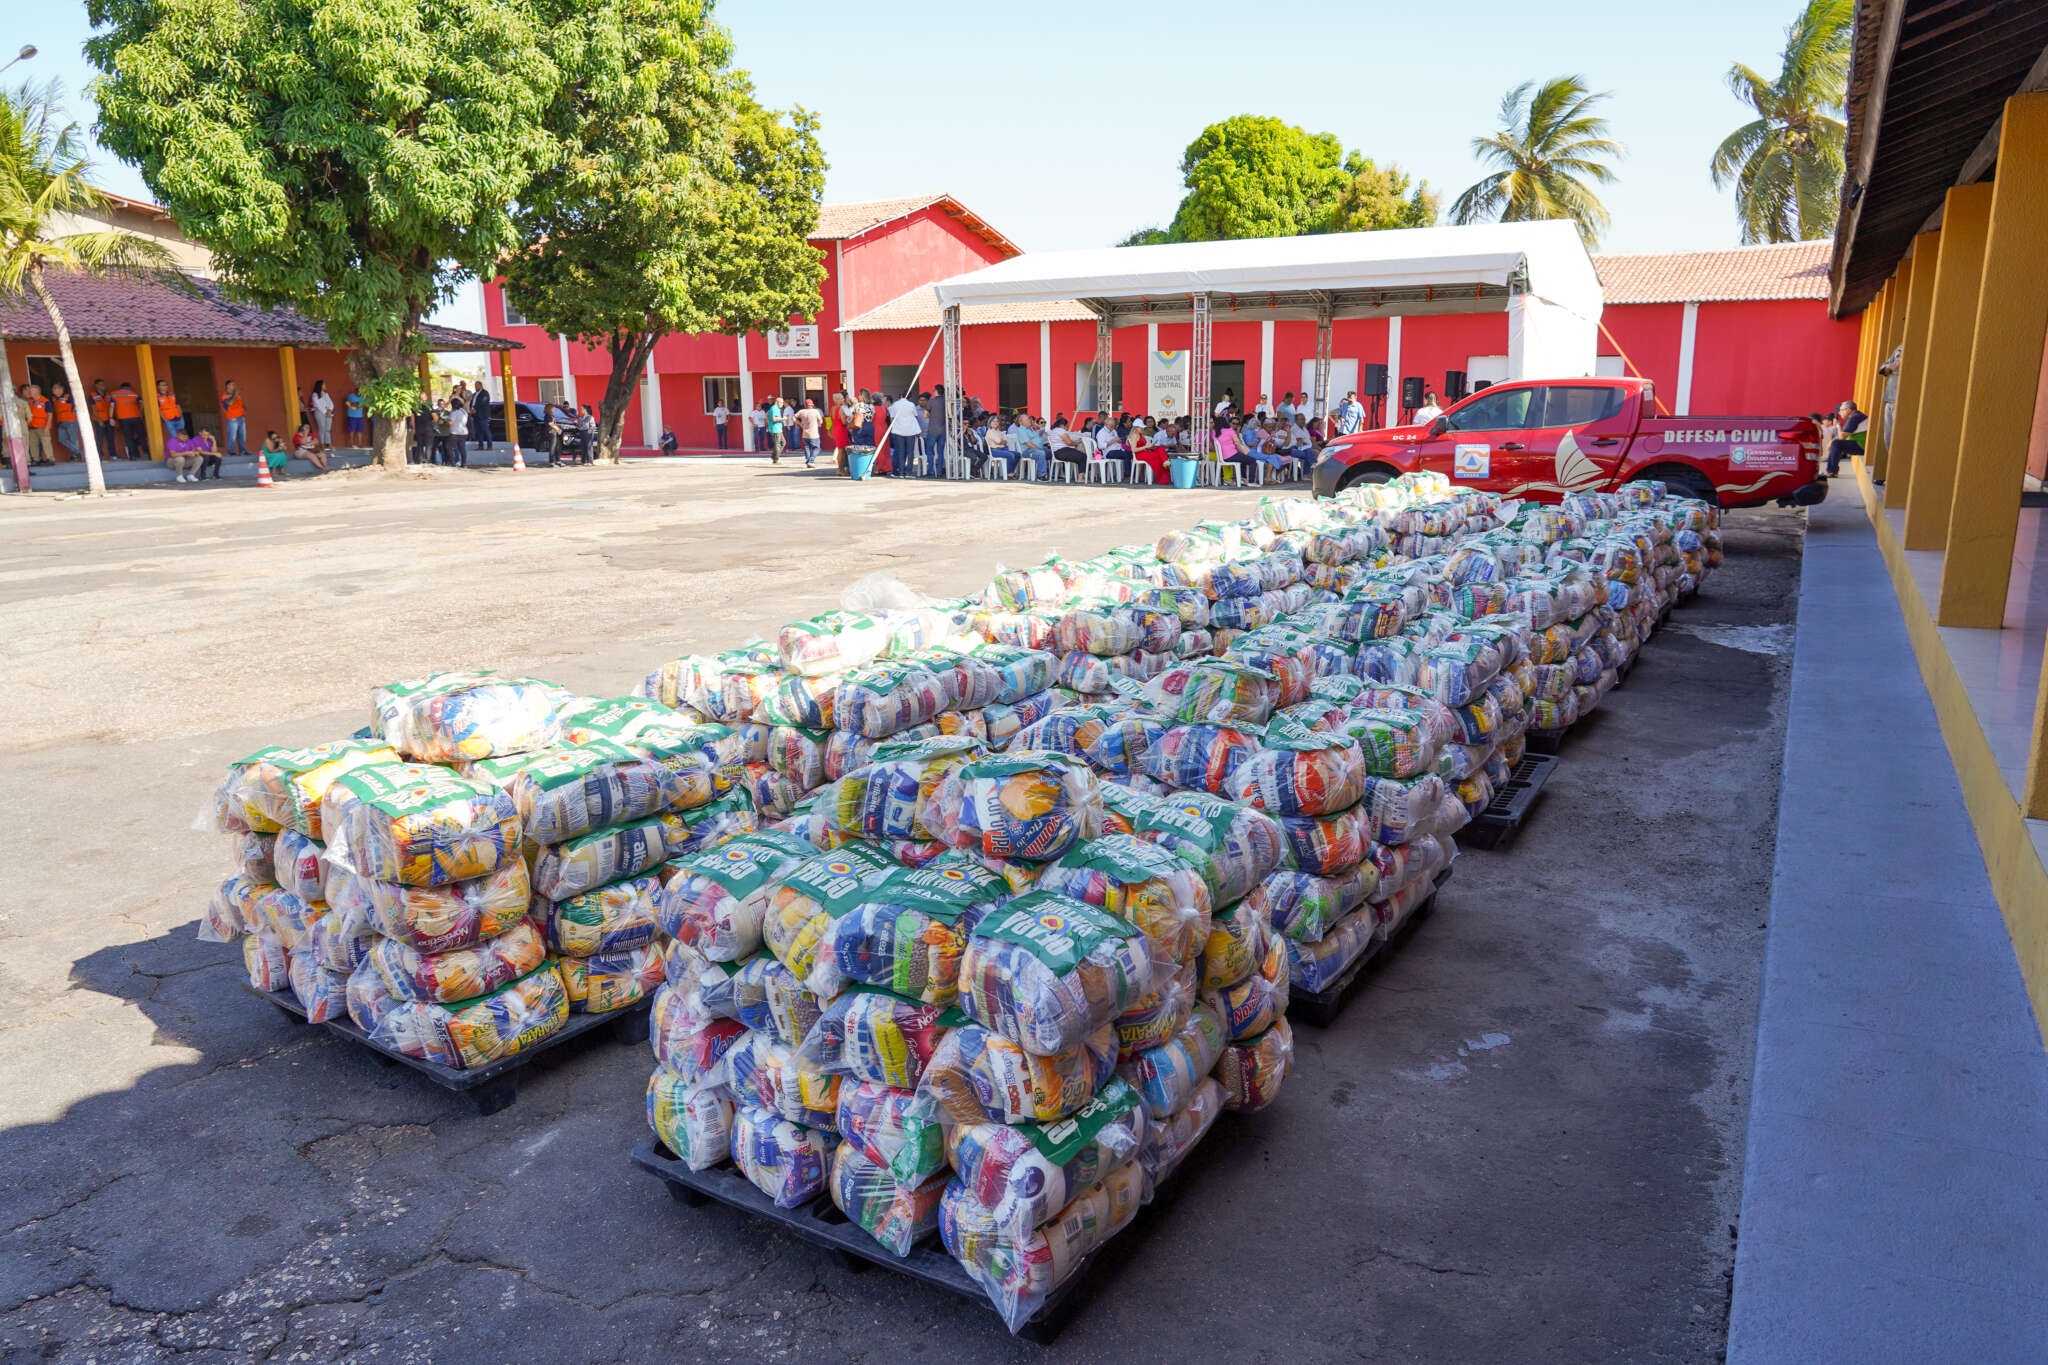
(1227, 376)
(192, 382)
(797, 387)
(1013, 387)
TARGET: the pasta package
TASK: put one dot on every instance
(616, 918)
(893, 1129)
(1329, 845)
(1159, 1014)
(1239, 945)
(715, 899)
(783, 1160)
(1259, 1001)
(1300, 772)
(908, 931)
(1251, 1071)
(573, 791)
(978, 1076)
(1046, 971)
(1023, 1174)
(279, 788)
(418, 824)
(1140, 882)
(610, 981)
(267, 960)
(1165, 1076)
(299, 864)
(458, 974)
(693, 1118)
(872, 1035)
(435, 919)
(461, 717)
(341, 939)
(1028, 807)
(463, 1034)
(897, 1215)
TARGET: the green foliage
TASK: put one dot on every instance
(679, 204)
(354, 159)
(1787, 164)
(1251, 176)
(394, 393)
(1551, 150)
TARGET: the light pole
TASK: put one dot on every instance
(28, 50)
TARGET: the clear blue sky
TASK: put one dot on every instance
(1062, 121)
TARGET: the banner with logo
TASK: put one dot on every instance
(793, 343)
(1166, 385)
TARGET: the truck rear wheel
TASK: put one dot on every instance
(1685, 481)
(1369, 473)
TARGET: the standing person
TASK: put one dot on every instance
(1350, 416)
(437, 423)
(843, 425)
(323, 413)
(778, 439)
(1286, 409)
(66, 414)
(1854, 426)
(422, 433)
(864, 434)
(167, 409)
(37, 411)
(1262, 409)
(810, 425)
(902, 435)
(719, 416)
(103, 429)
(356, 417)
(758, 420)
(1225, 407)
(480, 414)
(1430, 409)
(128, 416)
(234, 418)
(458, 432)
(586, 429)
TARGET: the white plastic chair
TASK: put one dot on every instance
(1142, 473)
(997, 466)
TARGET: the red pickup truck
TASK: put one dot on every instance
(1543, 438)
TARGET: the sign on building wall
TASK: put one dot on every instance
(793, 343)
(1167, 384)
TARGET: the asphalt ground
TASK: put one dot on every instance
(1521, 1141)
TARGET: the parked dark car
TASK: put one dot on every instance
(534, 434)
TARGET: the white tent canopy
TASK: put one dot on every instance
(1537, 273)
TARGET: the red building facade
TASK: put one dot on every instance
(1739, 331)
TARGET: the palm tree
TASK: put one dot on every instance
(1551, 150)
(1787, 163)
(42, 181)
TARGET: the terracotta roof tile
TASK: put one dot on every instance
(844, 220)
(1786, 270)
(920, 308)
(111, 309)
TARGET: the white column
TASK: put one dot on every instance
(839, 309)
(650, 406)
(1266, 359)
(1045, 409)
(1681, 405)
(1393, 417)
(568, 375)
(746, 397)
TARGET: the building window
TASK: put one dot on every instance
(554, 391)
(722, 388)
(897, 380)
(1084, 387)
(1013, 387)
(513, 317)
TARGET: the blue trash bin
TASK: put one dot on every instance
(860, 461)
(1181, 469)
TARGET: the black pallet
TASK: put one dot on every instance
(495, 1085)
(1511, 804)
(1321, 1008)
(821, 1223)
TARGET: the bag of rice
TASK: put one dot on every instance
(908, 929)
(1299, 772)
(892, 797)
(572, 791)
(872, 1035)
(1139, 882)
(1230, 845)
(461, 717)
(783, 1160)
(460, 973)
(418, 824)
(1048, 971)
(615, 918)
(693, 1118)
(610, 981)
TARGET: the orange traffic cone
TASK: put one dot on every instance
(518, 459)
(263, 471)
